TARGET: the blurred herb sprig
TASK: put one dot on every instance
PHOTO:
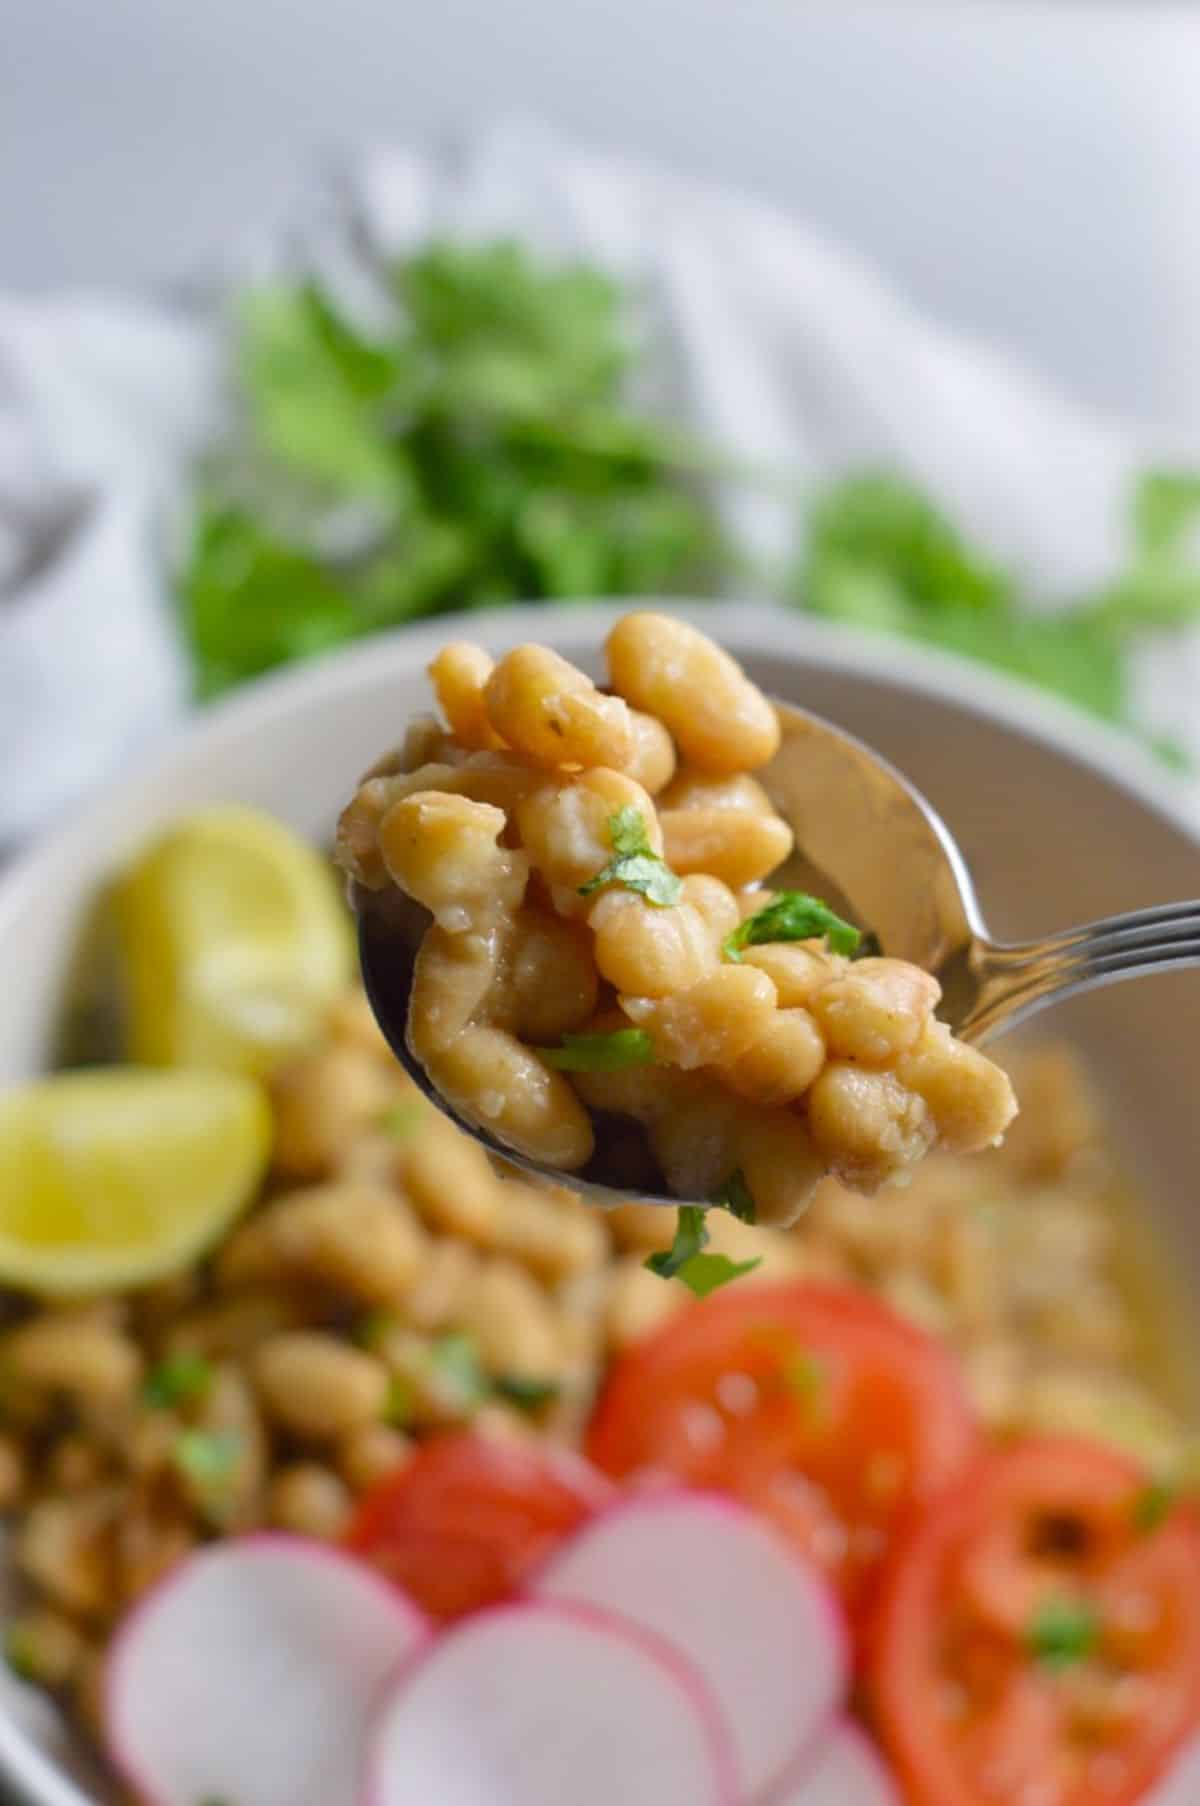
(479, 447)
(879, 554)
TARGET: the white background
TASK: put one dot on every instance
(1030, 171)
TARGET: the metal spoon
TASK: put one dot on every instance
(874, 849)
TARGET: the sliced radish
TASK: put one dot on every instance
(844, 1770)
(754, 1617)
(1180, 1786)
(251, 1674)
(539, 1704)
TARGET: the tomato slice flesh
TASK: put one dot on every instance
(815, 1404)
(461, 1524)
(1031, 1641)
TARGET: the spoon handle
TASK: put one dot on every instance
(1010, 983)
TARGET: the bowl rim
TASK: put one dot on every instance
(756, 629)
(753, 629)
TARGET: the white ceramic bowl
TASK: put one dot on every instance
(1060, 820)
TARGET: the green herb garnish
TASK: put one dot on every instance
(207, 1458)
(474, 446)
(399, 1404)
(455, 1360)
(635, 864)
(792, 916)
(19, 1654)
(372, 1331)
(1153, 1505)
(402, 1120)
(1063, 1631)
(879, 554)
(736, 1197)
(804, 1375)
(177, 1380)
(526, 1394)
(685, 1259)
(613, 1052)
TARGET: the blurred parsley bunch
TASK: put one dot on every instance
(480, 448)
(476, 452)
(878, 554)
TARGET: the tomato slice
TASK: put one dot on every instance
(815, 1404)
(460, 1525)
(1038, 1637)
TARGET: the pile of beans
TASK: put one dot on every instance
(391, 1282)
(584, 859)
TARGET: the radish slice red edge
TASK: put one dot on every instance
(251, 1673)
(843, 1770)
(542, 1704)
(752, 1615)
(1180, 1786)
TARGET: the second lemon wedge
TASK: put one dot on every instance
(118, 1176)
(234, 940)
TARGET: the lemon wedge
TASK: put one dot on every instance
(118, 1176)
(235, 941)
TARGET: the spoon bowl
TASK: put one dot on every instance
(875, 849)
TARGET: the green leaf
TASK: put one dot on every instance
(315, 388)
(177, 1380)
(1063, 1631)
(1154, 1505)
(373, 1330)
(792, 916)
(251, 602)
(705, 1273)
(399, 1404)
(613, 1052)
(19, 1652)
(804, 1374)
(635, 864)
(403, 1120)
(455, 1360)
(690, 1237)
(879, 526)
(207, 1458)
(686, 1259)
(527, 1394)
(1165, 512)
(736, 1197)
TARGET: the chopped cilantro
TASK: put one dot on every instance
(685, 1259)
(399, 1404)
(475, 443)
(801, 1372)
(526, 1394)
(634, 863)
(879, 554)
(373, 1330)
(403, 1119)
(705, 1273)
(207, 1458)
(601, 1053)
(804, 1374)
(1063, 1631)
(177, 1380)
(19, 1654)
(455, 1359)
(1153, 1505)
(736, 1197)
(792, 916)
